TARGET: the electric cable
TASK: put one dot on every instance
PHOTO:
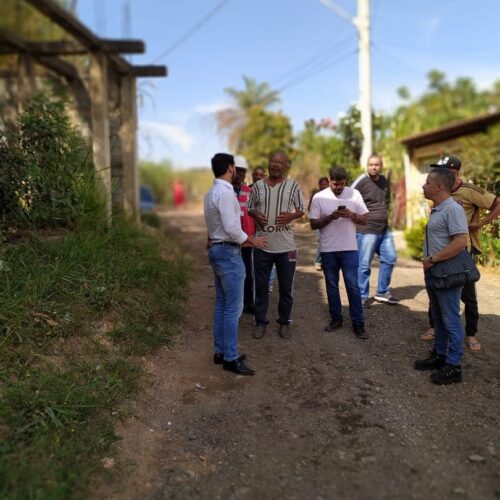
(324, 54)
(320, 69)
(450, 49)
(397, 60)
(217, 8)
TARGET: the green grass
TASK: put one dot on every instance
(76, 310)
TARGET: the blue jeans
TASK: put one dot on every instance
(229, 274)
(469, 298)
(449, 333)
(368, 246)
(348, 262)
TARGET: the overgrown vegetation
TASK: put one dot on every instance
(415, 237)
(80, 303)
(489, 240)
(47, 178)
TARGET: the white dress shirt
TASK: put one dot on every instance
(222, 214)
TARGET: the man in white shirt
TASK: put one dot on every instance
(222, 216)
(335, 212)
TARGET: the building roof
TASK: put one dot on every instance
(85, 41)
(452, 130)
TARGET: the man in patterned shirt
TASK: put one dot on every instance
(473, 199)
(274, 203)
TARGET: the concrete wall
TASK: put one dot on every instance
(416, 170)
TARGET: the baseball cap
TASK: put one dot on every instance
(241, 162)
(448, 161)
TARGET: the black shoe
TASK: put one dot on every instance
(219, 358)
(333, 325)
(359, 331)
(248, 310)
(237, 366)
(448, 374)
(433, 362)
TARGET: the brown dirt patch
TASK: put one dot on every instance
(326, 416)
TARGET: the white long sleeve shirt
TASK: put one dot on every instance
(222, 214)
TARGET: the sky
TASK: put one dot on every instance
(299, 47)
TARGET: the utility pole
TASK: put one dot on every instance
(362, 24)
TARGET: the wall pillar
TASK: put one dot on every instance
(128, 136)
(98, 90)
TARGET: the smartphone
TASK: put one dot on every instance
(341, 207)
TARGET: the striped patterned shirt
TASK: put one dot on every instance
(285, 196)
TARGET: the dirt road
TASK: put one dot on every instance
(327, 416)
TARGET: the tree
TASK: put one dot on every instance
(442, 103)
(263, 133)
(232, 120)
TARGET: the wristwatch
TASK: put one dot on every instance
(430, 260)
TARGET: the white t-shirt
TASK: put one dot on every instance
(339, 235)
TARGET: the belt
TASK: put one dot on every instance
(226, 243)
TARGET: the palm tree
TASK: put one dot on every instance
(232, 120)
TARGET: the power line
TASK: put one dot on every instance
(320, 69)
(193, 30)
(396, 60)
(320, 56)
(449, 49)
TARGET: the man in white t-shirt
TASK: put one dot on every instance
(335, 212)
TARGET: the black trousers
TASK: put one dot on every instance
(469, 298)
(248, 295)
(286, 263)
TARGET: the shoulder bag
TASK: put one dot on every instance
(452, 273)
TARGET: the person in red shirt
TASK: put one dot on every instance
(178, 193)
(247, 224)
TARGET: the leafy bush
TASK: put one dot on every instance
(490, 244)
(415, 236)
(47, 178)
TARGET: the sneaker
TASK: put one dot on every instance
(359, 331)
(434, 362)
(318, 266)
(285, 331)
(387, 298)
(333, 325)
(448, 374)
(259, 331)
(366, 302)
